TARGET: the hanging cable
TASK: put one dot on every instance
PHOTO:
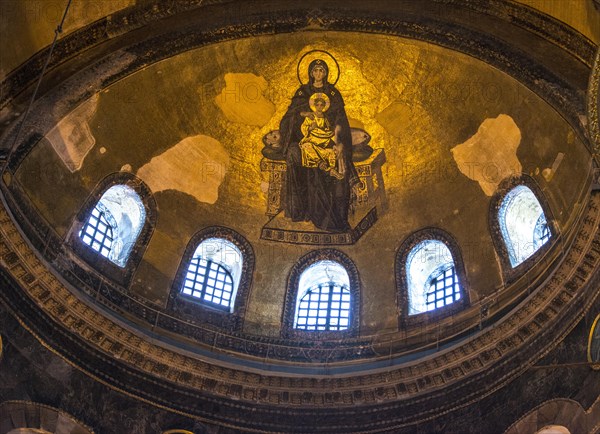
(57, 31)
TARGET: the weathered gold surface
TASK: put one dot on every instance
(490, 155)
(417, 101)
(30, 24)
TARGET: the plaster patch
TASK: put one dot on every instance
(242, 100)
(72, 138)
(490, 155)
(197, 166)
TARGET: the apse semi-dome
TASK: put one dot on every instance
(292, 221)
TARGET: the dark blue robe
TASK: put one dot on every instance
(311, 194)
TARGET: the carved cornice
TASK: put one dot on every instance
(559, 33)
(125, 360)
(21, 415)
(77, 324)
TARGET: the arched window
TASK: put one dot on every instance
(322, 297)
(114, 224)
(593, 352)
(430, 275)
(523, 224)
(213, 280)
(213, 273)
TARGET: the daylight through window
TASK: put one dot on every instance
(431, 277)
(324, 299)
(213, 273)
(114, 224)
(523, 224)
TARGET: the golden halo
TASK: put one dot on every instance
(309, 56)
(314, 96)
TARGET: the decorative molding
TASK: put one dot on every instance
(457, 34)
(318, 238)
(593, 107)
(116, 355)
(592, 359)
(559, 33)
(21, 415)
(74, 323)
(132, 18)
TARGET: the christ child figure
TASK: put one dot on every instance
(318, 147)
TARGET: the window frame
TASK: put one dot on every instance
(430, 281)
(198, 311)
(201, 298)
(510, 273)
(331, 289)
(93, 258)
(291, 298)
(595, 364)
(104, 217)
(406, 247)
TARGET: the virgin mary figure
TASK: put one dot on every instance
(311, 193)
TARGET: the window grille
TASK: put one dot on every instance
(541, 233)
(431, 278)
(523, 224)
(210, 282)
(114, 224)
(324, 307)
(98, 230)
(444, 289)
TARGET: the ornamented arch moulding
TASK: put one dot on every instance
(509, 272)
(196, 312)
(120, 275)
(289, 307)
(436, 234)
(195, 385)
